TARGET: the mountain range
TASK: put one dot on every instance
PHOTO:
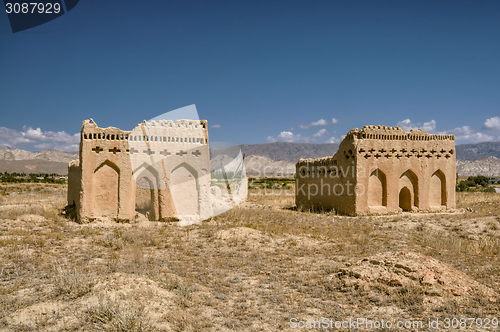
(46, 161)
(471, 158)
(294, 151)
(280, 151)
(488, 167)
(478, 150)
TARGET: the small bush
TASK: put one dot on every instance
(72, 283)
(117, 316)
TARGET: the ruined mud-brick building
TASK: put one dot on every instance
(160, 169)
(379, 170)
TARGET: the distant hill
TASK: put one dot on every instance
(294, 151)
(46, 161)
(478, 150)
(488, 167)
(48, 155)
(33, 166)
(276, 155)
(280, 151)
(256, 166)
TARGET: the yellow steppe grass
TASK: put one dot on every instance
(252, 268)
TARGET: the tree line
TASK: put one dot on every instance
(475, 183)
(32, 178)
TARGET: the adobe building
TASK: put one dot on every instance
(160, 169)
(380, 170)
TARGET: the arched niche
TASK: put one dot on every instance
(377, 189)
(106, 182)
(184, 188)
(437, 189)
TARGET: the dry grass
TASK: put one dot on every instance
(483, 204)
(250, 269)
(116, 315)
(72, 283)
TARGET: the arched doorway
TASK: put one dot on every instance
(144, 198)
(184, 188)
(409, 180)
(146, 191)
(405, 202)
(105, 185)
(377, 189)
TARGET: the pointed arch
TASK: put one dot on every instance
(145, 169)
(409, 180)
(184, 188)
(106, 182)
(109, 163)
(146, 191)
(377, 189)
(437, 189)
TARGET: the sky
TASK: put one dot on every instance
(258, 71)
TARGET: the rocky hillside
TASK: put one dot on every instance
(47, 155)
(478, 151)
(46, 161)
(472, 159)
(255, 166)
(258, 166)
(488, 167)
(281, 151)
(294, 151)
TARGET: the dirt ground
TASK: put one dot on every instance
(255, 268)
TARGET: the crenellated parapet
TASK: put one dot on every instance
(394, 133)
(167, 131)
(90, 131)
(187, 124)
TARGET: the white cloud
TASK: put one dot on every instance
(466, 133)
(285, 136)
(463, 134)
(429, 127)
(335, 121)
(37, 135)
(407, 125)
(320, 122)
(492, 124)
(321, 133)
(288, 136)
(215, 126)
(41, 139)
(12, 138)
(333, 140)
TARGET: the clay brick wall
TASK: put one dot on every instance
(390, 170)
(160, 169)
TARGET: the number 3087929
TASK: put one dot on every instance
(33, 7)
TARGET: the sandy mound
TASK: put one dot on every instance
(126, 297)
(414, 270)
(33, 218)
(247, 236)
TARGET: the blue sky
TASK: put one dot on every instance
(258, 71)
